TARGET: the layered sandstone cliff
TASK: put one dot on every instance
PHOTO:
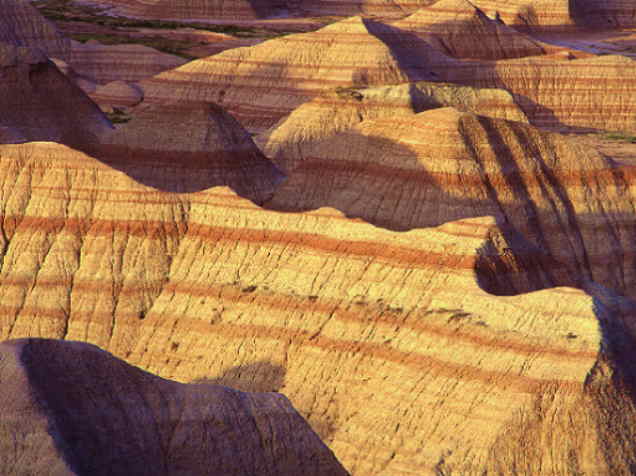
(332, 113)
(360, 7)
(542, 14)
(556, 92)
(38, 102)
(71, 408)
(558, 15)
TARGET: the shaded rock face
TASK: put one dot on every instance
(296, 304)
(22, 25)
(606, 13)
(202, 144)
(85, 412)
(39, 103)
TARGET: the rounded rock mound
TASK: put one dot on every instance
(187, 149)
(83, 411)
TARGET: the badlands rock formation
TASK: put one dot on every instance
(459, 29)
(426, 169)
(22, 25)
(558, 15)
(201, 145)
(199, 9)
(607, 13)
(480, 320)
(106, 63)
(555, 92)
(37, 102)
(261, 84)
(332, 113)
(71, 408)
(384, 341)
(534, 14)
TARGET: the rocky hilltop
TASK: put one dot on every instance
(82, 411)
(333, 113)
(194, 148)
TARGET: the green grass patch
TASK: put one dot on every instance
(118, 116)
(620, 136)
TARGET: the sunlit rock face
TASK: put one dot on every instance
(332, 312)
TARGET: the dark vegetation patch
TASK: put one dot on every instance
(117, 116)
(173, 47)
(68, 11)
(620, 136)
